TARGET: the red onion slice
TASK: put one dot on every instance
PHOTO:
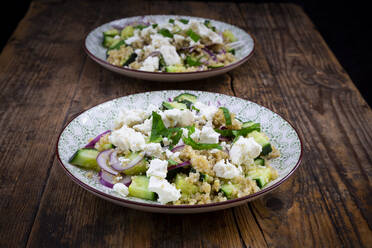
(92, 143)
(187, 163)
(109, 180)
(223, 138)
(178, 148)
(136, 160)
(127, 180)
(210, 53)
(102, 161)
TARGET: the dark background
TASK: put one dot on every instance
(345, 26)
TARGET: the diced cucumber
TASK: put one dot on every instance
(185, 187)
(229, 36)
(261, 139)
(232, 51)
(259, 161)
(107, 41)
(174, 68)
(174, 105)
(186, 96)
(111, 33)
(140, 188)
(127, 32)
(139, 168)
(131, 58)
(85, 158)
(229, 190)
(262, 175)
(218, 65)
(116, 44)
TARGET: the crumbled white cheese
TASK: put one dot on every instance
(151, 63)
(226, 170)
(138, 51)
(208, 135)
(126, 139)
(153, 149)
(158, 40)
(158, 168)
(147, 31)
(166, 141)
(178, 38)
(205, 32)
(170, 55)
(166, 191)
(130, 117)
(174, 117)
(121, 189)
(195, 135)
(182, 25)
(145, 127)
(172, 155)
(132, 39)
(244, 150)
(206, 111)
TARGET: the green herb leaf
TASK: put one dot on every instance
(199, 146)
(194, 36)
(154, 25)
(184, 21)
(227, 115)
(171, 21)
(165, 32)
(192, 62)
(172, 162)
(140, 27)
(158, 128)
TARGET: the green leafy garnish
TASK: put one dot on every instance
(158, 131)
(232, 51)
(172, 162)
(241, 132)
(192, 62)
(140, 27)
(227, 115)
(171, 21)
(165, 32)
(199, 146)
(194, 36)
(154, 25)
(184, 21)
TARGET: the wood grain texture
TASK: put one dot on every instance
(45, 79)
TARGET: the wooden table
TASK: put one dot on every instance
(46, 79)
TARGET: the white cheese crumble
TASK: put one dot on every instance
(206, 111)
(170, 55)
(126, 139)
(205, 32)
(121, 189)
(153, 149)
(145, 127)
(157, 168)
(174, 117)
(166, 191)
(130, 117)
(150, 64)
(244, 150)
(172, 155)
(226, 170)
(208, 136)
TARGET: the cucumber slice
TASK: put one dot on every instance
(186, 96)
(85, 158)
(139, 168)
(107, 41)
(259, 161)
(174, 105)
(247, 124)
(174, 68)
(131, 58)
(229, 190)
(218, 65)
(261, 175)
(139, 188)
(261, 139)
(229, 36)
(111, 33)
(116, 44)
(185, 187)
(127, 32)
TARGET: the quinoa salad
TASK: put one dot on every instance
(182, 152)
(177, 45)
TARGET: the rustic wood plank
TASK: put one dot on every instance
(311, 89)
(37, 66)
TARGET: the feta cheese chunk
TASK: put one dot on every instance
(205, 32)
(170, 55)
(226, 170)
(178, 38)
(244, 150)
(157, 168)
(208, 136)
(132, 39)
(130, 117)
(150, 64)
(166, 191)
(159, 40)
(172, 155)
(153, 149)
(147, 31)
(174, 117)
(206, 111)
(145, 127)
(126, 139)
(121, 189)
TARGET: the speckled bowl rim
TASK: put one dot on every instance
(235, 64)
(227, 202)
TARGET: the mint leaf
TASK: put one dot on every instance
(165, 32)
(227, 115)
(194, 36)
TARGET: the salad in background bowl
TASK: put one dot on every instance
(169, 48)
